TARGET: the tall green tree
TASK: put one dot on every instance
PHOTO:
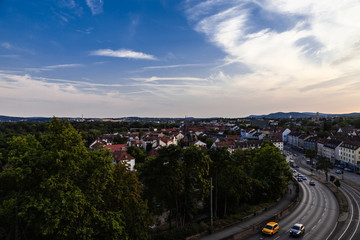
(219, 156)
(272, 170)
(196, 180)
(54, 188)
(176, 181)
(310, 153)
(164, 182)
(138, 153)
(324, 164)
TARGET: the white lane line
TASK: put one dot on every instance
(357, 225)
(352, 215)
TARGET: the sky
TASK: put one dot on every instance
(172, 58)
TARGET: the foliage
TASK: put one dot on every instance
(356, 123)
(327, 126)
(332, 178)
(138, 153)
(324, 164)
(120, 140)
(337, 183)
(195, 167)
(272, 170)
(209, 142)
(163, 181)
(181, 233)
(175, 181)
(54, 188)
(220, 156)
(310, 153)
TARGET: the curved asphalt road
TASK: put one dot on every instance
(348, 227)
(317, 210)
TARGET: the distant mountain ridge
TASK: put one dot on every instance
(28, 119)
(302, 115)
(48, 119)
(276, 115)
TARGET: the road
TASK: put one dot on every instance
(318, 208)
(349, 227)
(318, 211)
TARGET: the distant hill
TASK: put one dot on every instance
(28, 119)
(129, 119)
(302, 115)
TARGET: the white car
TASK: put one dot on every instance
(297, 230)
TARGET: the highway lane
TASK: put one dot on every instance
(348, 228)
(317, 210)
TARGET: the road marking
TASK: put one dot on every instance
(357, 225)
(352, 214)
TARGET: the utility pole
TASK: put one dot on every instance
(211, 208)
(16, 223)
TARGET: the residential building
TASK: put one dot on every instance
(331, 149)
(124, 157)
(349, 152)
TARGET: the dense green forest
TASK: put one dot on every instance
(53, 187)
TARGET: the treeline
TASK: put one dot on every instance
(53, 187)
(177, 181)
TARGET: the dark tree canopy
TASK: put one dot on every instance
(54, 188)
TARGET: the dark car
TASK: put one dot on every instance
(312, 183)
(297, 230)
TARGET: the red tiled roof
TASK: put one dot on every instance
(224, 144)
(121, 156)
(165, 139)
(116, 147)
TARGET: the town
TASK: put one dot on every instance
(334, 139)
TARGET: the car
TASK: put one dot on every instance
(304, 178)
(294, 170)
(312, 183)
(299, 179)
(338, 171)
(270, 228)
(348, 169)
(297, 230)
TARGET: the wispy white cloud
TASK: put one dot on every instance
(7, 45)
(53, 67)
(284, 44)
(86, 30)
(152, 79)
(176, 66)
(41, 96)
(122, 53)
(13, 47)
(9, 56)
(96, 6)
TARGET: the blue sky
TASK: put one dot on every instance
(166, 58)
